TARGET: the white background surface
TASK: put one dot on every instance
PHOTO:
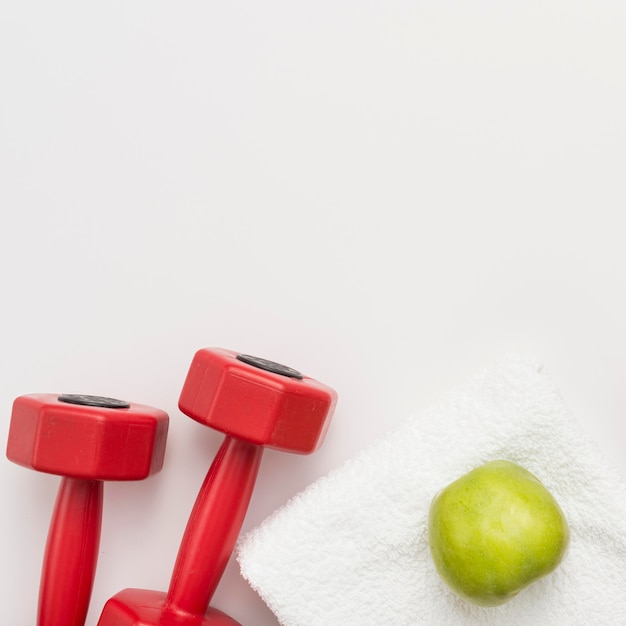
(384, 195)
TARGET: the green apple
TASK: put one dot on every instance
(494, 531)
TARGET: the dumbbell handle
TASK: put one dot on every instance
(214, 526)
(71, 554)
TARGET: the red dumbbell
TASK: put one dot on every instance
(85, 439)
(256, 403)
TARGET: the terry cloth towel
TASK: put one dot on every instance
(352, 548)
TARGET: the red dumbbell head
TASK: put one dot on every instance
(87, 436)
(256, 400)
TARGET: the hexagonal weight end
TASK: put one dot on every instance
(142, 607)
(258, 401)
(98, 440)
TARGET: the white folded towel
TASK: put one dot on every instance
(352, 548)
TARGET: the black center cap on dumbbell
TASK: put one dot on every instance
(98, 401)
(270, 366)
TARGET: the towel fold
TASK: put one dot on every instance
(352, 548)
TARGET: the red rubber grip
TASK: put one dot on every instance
(214, 526)
(71, 554)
